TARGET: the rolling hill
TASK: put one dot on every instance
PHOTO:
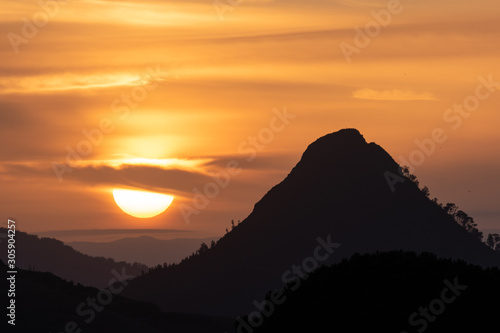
(385, 292)
(45, 302)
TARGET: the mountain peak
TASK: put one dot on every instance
(345, 135)
(335, 144)
(348, 138)
(342, 154)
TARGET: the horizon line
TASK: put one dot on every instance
(105, 232)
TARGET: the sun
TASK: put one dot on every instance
(142, 204)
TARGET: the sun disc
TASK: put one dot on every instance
(142, 204)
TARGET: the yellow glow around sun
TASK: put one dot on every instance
(142, 204)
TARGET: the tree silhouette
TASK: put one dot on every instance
(203, 248)
(493, 241)
(406, 172)
(463, 219)
(425, 190)
(468, 223)
(450, 208)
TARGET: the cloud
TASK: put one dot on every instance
(263, 161)
(362, 4)
(135, 176)
(172, 176)
(74, 81)
(393, 95)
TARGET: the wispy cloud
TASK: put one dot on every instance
(65, 82)
(362, 4)
(165, 163)
(393, 95)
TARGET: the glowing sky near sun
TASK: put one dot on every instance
(176, 90)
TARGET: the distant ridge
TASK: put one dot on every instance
(101, 232)
(51, 255)
(143, 249)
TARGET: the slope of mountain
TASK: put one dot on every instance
(337, 193)
(51, 255)
(146, 250)
(44, 302)
(385, 292)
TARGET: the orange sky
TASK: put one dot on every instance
(177, 88)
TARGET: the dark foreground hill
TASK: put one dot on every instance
(46, 303)
(384, 292)
(51, 255)
(335, 202)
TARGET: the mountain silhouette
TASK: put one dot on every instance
(146, 250)
(52, 255)
(337, 194)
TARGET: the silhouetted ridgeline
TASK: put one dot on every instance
(337, 190)
(51, 255)
(385, 292)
